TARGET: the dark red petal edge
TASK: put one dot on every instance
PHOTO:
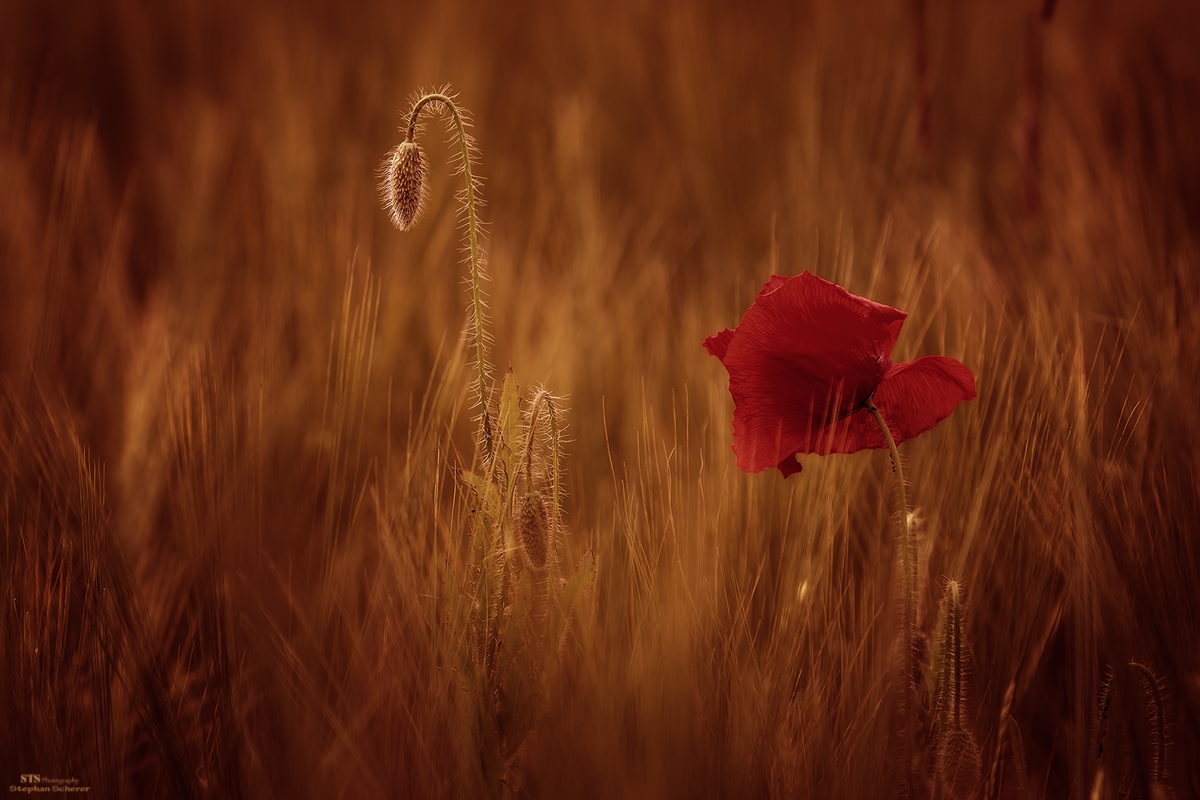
(789, 466)
(718, 345)
(774, 283)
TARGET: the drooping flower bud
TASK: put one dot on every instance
(404, 189)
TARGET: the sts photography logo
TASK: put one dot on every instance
(31, 782)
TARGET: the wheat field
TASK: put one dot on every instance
(246, 512)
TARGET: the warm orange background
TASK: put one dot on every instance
(188, 188)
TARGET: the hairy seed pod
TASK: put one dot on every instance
(959, 764)
(531, 527)
(404, 190)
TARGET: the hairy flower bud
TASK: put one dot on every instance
(531, 528)
(404, 188)
(959, 764)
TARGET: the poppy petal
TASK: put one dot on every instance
(859, 431)
(806, 353)
(915, 396)
(803, 360)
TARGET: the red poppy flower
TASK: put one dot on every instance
(804, 361)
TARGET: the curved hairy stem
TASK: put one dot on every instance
(473, 233)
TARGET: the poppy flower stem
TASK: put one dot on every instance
(908, 566)
(869, 404)
(473, 233)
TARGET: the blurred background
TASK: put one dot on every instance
(202, 298)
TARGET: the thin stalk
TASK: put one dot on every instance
(473, 232)
(908, 568)
(555, 491)
(541, 399)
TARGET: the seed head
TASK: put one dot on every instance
(959, 764)
(404, 190)
(531, 527)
